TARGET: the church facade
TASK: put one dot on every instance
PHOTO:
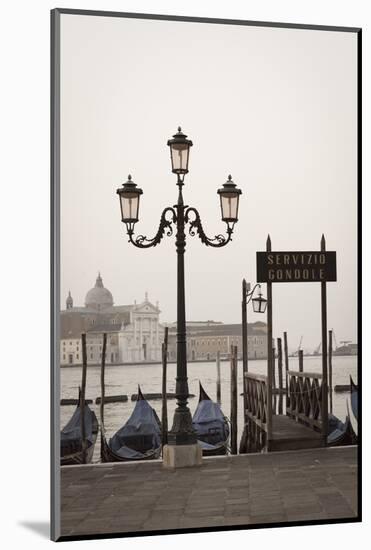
(134, 332)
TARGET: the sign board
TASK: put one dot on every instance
(295, 267)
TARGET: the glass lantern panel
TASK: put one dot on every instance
(179, 157)
(129, 206)
(229, 204)
(259, 305)
(256, 305)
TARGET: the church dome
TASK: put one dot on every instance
(99, 297)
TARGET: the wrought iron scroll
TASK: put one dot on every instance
(141, 241)
(195, 226)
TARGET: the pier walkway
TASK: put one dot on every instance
(312, 484)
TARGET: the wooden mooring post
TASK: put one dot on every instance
(245, 353)
(286, 349)
(280, 376)
(270, 346)
(233, 400)
(274, 384)
(82, 399)
(324, 353)
(330, 366)
(244, 438)
(301, 360)
(218, 386)
(102, 395)
(102, 373)
(164, 422)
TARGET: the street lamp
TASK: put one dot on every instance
(179, 152)
(129, 195)
(180, 215)
(259, 306)
(229, 199)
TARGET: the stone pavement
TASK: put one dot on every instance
(315, 484)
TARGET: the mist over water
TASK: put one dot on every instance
(271, 120)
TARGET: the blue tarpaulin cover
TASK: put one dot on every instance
(210, 424)
(140, 436)
(72, 430)
(335, 428)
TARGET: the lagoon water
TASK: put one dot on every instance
(124, 379)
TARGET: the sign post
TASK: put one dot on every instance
(270, 350)
(245, 290)
(298, 267)
(324, 352)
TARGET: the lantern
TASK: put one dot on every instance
(229, 199)
(179, 151)
(259, 304)
(129, 195)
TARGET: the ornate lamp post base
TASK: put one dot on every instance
(182, 456)
(182, 432)
(182, 450)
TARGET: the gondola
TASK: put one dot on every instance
(71, 442)
(353, 410)
(339, 433)
(211, 426)
(138, 439)
(354, 397)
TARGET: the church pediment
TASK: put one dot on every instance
(145, 307)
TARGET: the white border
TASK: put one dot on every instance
(26, 260)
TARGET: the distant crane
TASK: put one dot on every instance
(317, 350)
(301, 340)
(296, 353)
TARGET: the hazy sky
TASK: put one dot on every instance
(276, 108)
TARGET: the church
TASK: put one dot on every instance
(134, 333)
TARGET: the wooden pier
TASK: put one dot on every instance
(301, 427)
(315, 484)
(305, 422)
(288, 435)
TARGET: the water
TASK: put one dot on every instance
(125, 379)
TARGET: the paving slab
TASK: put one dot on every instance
(312, 484)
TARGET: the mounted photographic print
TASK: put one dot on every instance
(205, 275)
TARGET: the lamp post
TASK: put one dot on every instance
(180, 216)
(259, 306)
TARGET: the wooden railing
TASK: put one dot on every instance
(304, 398)
(257, 411)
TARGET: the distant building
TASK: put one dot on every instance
(134, 333)
(347, 349)
(205, 339)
